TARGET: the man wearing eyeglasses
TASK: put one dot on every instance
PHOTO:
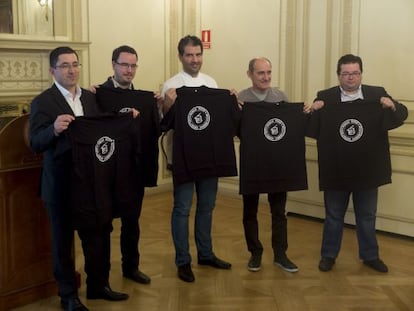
(115, 95)
(124, 64)
(51, 114)
(351, 123)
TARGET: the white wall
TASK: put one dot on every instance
(139, 24)
(240, 33)
(387, 45)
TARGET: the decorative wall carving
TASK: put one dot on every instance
(23, 72)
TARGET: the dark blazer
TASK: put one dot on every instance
(56, 171)
(370, 93)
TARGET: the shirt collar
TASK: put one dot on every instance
(345, 97)
(190, 76)
(117, 85)
(67, 93)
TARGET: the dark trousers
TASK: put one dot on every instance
(130, 233)
(62, 232)
(277, 202)
(93, 240)
(365, 208)
(96, 246)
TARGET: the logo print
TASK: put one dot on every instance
(125, 110)
(351, 130)
(104, 148)
(274, 129)
(198, 118)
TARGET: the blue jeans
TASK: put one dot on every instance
(206, 190)
(365, 207)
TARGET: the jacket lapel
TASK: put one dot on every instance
(61, 101)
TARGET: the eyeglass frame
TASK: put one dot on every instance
(349, 74)
(127, 66)
(67, 66)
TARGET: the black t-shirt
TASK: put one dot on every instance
(105, 155)
(272, 147)
(353, 147)
(205, 122)
(111, 99)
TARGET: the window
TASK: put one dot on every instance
(6, 16)
(26, 17)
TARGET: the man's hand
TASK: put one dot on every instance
(387, 102)
(160, 101)
(316, 105)
(157, 95)
(307, 108)
(169, 100)
(93, 88)
(62, 123)
(233, 92)
(135, 113)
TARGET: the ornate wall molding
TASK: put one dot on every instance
(23, 73)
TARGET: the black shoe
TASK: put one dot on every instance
(73, 304)
(255, 263)
(285, 263)
(377, 264)
(326, 264)
(138, 277)
(185, 273)
(215, 263)
(106, 293)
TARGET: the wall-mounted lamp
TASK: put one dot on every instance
(43, 2)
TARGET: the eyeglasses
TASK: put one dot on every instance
(126, 65)
(66, 66)
(350, 74)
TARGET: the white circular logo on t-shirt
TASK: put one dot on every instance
(198, 118)
(351, 130)
(274, 129)
(104, 148)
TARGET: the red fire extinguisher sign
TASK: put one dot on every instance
(206, 38)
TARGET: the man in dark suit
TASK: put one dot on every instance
(51, 114)
(353, 157)
(117, 94)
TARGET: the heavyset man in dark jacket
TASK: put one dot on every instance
(351, 126)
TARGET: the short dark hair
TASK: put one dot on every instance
(348, 59)
(54, 55)
(189, 40)
(123, 49)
